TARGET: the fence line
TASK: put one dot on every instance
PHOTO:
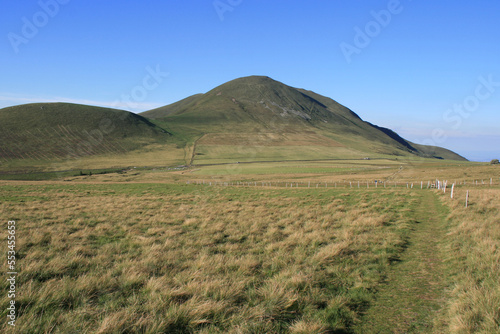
(437, 184)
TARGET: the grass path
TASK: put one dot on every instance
(414, 292)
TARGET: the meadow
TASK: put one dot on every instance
(142, 251)
(473, 248)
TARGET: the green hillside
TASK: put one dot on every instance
(52, 131)
(172, 108)
(258, 119)
(245, 120)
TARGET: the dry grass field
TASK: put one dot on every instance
(181, 259)
(473, 243)
(330, 171)
(154, 154)
(118, 254)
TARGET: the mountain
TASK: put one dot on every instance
(248, 119)
(257, 118)
(52, 131)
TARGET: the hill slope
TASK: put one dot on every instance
(51, 131)
(258, 118)
(248, 119)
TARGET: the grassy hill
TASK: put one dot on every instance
(257, 118)
(52, 131)
(172, 108)
(245, 120)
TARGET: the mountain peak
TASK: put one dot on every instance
(253, 79)
(260, 104)
(245, 85)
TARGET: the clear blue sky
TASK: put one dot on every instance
(429, 70)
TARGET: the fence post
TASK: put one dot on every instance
(467, 199)
(452, 189)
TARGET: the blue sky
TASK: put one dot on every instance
(429, 70)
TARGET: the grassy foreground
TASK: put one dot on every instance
(177, 258)
(473, 244)
(416, 286)
(180, 259)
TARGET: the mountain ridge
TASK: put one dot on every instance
(246, 119)
(261, 104)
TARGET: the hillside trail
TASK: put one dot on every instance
(415, 288)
